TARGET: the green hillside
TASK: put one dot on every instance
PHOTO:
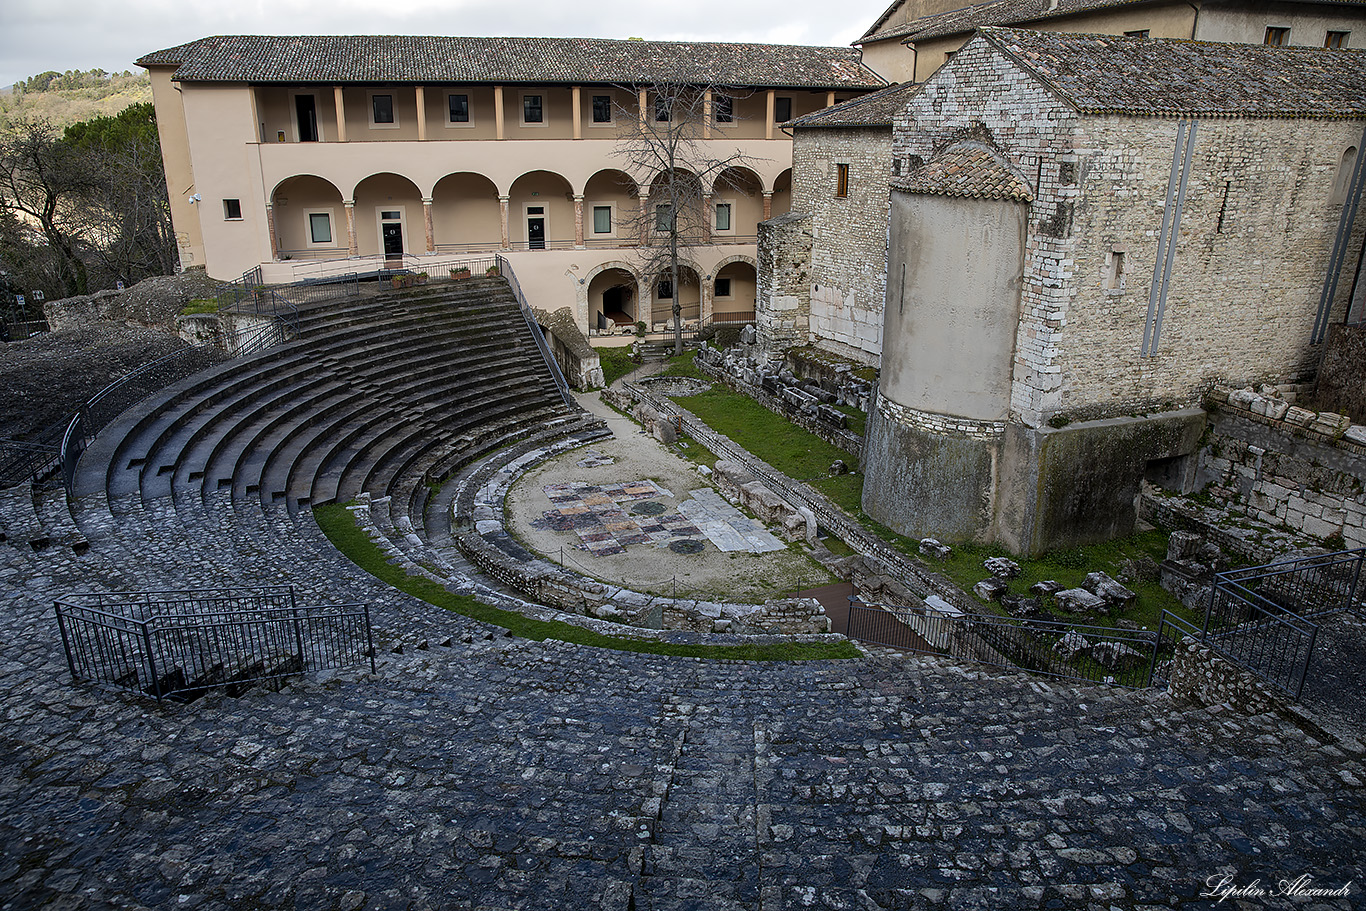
(73, 96)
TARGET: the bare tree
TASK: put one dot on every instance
(42, 182)
(667, 138)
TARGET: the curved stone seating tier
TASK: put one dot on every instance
(369, 391)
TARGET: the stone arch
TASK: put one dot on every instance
(1342, 182)
(466, 216)
(740, 275)
(689, 293)
(782, 194)
(382, 201)
(309, 217)
(544, 195)
(596, 295)
(617, 192)
(742, 190)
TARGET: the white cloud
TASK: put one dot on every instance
(41, 35)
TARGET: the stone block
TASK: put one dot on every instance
(990, 589)
(1101, 585)
(1001, 567)
(929, 547)
(1080, 601)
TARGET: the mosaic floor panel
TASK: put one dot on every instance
(596, 514)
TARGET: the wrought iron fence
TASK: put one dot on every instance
(23, 460)
(180, 644)
(1099, 654)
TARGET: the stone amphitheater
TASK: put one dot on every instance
(475, 770)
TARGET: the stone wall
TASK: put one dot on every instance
(848, 234)
(578, 360)
(807, 404)
(1257, 229)
(1199, 675)
(782, 305)
(1341, 385)
(1286, 465)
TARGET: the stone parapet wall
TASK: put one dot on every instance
(1341, 382)
(1286, 465)
(1200, 675)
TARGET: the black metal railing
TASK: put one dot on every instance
(1099, 654)
(18, 330)
(180, 644)
(23, 460)
(1259, 617)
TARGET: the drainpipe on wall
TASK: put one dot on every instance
(1195, 22)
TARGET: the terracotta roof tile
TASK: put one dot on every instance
(969, 171)
(876, 109)
(372, 59)
(1167, 77)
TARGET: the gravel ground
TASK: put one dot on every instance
(742, 577)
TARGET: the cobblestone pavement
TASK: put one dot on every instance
(479, 771)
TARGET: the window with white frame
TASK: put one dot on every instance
(722, 212)
(602, 108)
(666, 289)
(664, 218)
(232, 209)
(533, 110)
(320, 228)
(723, 288)
(459, 108)
(602, 219)
(382, 113)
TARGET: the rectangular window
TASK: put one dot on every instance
(782, 110)
(460, 108)
(1137, 33)
(232, 209)
(320, 228)
(1336, 41)
(841, 180)
(723, 108)
(666, 290)
(394, 215)
(1114, 278)
(531, 109)
(664, 218)
(382, 107)
(723, 216)
(663, 109)
(602, 219)
(1277, 37)
(602, 108)
(723, 287)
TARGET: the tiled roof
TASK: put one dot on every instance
(1167, 77)
(372, 59)
(965, 170)
(876, 109)
(993, 12)
(1005, 12)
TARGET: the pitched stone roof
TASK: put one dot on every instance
(1003, 12)
(372, 59)
(876, 109)
(966, 171)
(1167, 77)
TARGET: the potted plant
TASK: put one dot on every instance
(396, 281)
(422, 278)
(492, 272)
(460, 272)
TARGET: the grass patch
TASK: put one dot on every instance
(682, 365)
(349, 538)
(616, 363)
(858, 419)
(1070, 567)
(199, 305)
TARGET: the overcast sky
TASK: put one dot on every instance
(40, 35)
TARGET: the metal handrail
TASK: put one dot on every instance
(505, 269)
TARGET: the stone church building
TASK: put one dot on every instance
(1086, 233)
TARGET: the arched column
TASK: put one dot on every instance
(704, 298)
(427, 223)
(503, 213)
(768, 204)
(644, 224)
(706, 217)
(352, 245)
(578, 221)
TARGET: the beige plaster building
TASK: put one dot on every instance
(913, 38)
(310, 156)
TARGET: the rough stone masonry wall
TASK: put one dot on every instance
(1286, 465)
(782, 302)
(1256, 231)
(1198, 675)
(985, 97)
(848, 234)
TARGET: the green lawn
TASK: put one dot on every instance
(616, 363)
(341, 529)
